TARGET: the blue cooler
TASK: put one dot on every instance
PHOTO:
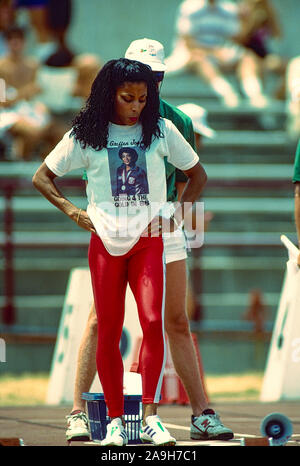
(98, 418)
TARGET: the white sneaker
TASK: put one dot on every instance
(155, 433)
(209, 427)
(116, 434)
(77, 426)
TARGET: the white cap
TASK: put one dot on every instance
(198, 116)
(148, 51)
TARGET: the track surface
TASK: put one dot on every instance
(46, 425)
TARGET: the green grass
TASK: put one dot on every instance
(237, 387)
(26, 389)
(31, 389)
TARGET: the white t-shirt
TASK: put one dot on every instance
(210, 26)
(122, 202)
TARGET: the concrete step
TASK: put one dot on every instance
(76, 239)
(217, 262)
(245, 116)
(25, 170)
(249, 139)
(37, 240)
(188, 85)
(249, 171)
(46, 264)
(244, 239)
(38, 204)
(41, 313)
(243, 156)
(208, 299)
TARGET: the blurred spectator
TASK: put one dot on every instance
(65, 87)
(7, 19)
(206, 31)
(293, 97)
(63, 77)
(87, 66)
(50, 20)
(256, 311)
(25, 118)
(37, 11)
(59, 19)
(260, 24)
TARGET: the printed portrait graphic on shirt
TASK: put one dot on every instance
(128, 171)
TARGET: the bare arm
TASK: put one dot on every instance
(43, 180)
(194, 222)
(188, 192)
(193, 188)
(180, 185)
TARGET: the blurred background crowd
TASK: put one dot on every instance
(44, 78)
(48, 74)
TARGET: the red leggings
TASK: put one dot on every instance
(143, 268)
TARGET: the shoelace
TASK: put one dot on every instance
(215, 418)
(77, 417)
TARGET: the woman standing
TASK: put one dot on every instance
(123, 111)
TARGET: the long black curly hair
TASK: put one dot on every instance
(90, 126)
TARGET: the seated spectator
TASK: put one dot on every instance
(50, 21)
(66, 84)
(87, 66)
(260, 24)
(59, 14)
(22, 115)
(37, 12)
(206, 31)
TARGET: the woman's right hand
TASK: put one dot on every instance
(84, 221)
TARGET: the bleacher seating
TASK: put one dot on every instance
(249, 191)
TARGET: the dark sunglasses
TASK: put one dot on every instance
(158, 75)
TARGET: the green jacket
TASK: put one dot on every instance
(184, 124)
(296, 176)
